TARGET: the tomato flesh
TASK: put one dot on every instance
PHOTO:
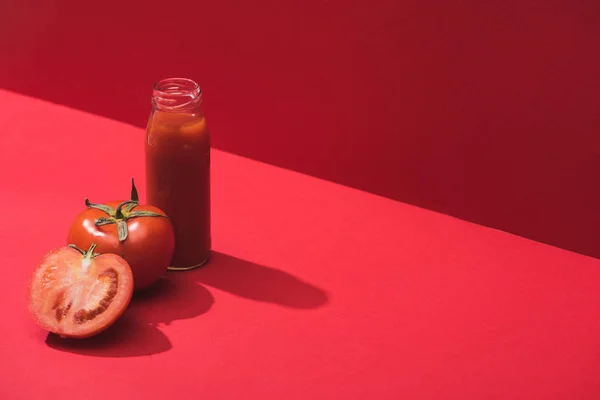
(76, 296)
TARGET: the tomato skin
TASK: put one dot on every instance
(148, 247)
(59, 279)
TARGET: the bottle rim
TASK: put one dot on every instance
(176, 94)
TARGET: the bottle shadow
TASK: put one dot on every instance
(174, 297)
(258, 282)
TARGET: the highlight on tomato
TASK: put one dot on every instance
(77, 294)
(141, 234)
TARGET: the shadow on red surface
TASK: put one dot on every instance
(137, 332)
(126, 338)
(486, 111)
(259, 283)
(181, 296)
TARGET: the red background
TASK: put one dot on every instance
(316, 290)
(482, 110)
(487, 111)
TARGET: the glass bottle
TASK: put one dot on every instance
(177, 152)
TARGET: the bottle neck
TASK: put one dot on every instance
(176, 95)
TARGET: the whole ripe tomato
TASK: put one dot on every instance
(78, 294)
(141, 234)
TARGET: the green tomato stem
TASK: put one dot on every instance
(109, 210)
(86, 254)
(119, 212)
(122, 213)
(77, 248)
(134, 193)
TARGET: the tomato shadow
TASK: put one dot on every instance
(258, 282)
(182, 295)
(137, 333)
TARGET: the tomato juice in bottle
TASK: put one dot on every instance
(177, 152)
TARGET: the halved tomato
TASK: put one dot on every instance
(76, 293)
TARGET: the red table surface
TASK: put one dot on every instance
(316, 290)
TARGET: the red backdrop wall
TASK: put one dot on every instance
(485, 110)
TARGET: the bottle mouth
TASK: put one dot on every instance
(176, 94)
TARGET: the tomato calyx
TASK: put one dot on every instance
(123, 213)
(87, 255)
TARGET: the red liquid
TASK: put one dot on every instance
(178, 180)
